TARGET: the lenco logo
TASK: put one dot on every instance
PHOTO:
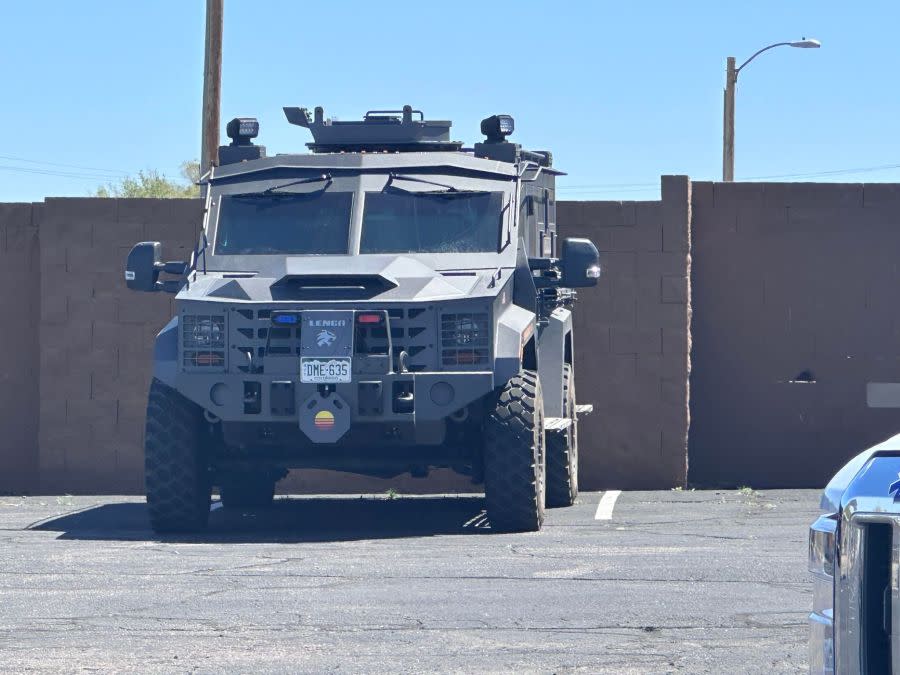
(327, 323)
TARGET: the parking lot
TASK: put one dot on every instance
(673, 581)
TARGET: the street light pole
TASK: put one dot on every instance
(731, 75)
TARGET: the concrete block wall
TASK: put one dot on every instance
(73, 421)
(791, 281)
(96, 337)
(632, 339)
(20, 312)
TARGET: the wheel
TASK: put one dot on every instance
(514, 471)
(176, 468)
(253, 491)
(562, 451)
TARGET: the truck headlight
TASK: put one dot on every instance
(821, 564)
(821, 545)
(204, 332)
(465, 339)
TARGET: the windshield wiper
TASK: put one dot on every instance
(272, 191)
(313, 179)
(448, 191)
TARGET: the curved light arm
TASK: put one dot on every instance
(764, 49)
(805, 43)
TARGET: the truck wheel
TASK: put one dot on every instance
(562, 451)
(177, 472)
(247, 492)
(514, 470)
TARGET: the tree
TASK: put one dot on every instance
(151, 183)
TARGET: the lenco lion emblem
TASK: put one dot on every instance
(325, 338)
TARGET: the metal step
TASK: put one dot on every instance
(557, 423)
(585, 409)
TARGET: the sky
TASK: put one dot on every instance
(620, 92)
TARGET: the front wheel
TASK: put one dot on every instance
(514, 469)
(175, 461)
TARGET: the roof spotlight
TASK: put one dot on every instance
(242, 129)
(497, 127)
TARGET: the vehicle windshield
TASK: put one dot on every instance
(316, 223)
(431, 222)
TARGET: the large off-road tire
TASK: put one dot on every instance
(176, 466)
(514, 469)
(253, 491)
(562, 451)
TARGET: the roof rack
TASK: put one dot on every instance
(379, 131)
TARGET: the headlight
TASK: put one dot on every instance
(821, 545)
(465, 339)
(821, 622)
(204, 332)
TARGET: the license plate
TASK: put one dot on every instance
(324, 371)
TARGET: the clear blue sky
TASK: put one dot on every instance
(620, 92)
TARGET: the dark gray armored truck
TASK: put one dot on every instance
(388, 303)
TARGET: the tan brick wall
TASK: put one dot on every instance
(631, 339)
(96, 337)
(20, 312)
(92, 360)
(787, 278)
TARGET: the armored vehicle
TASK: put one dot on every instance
(390, 302)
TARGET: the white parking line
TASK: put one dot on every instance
(606, 505)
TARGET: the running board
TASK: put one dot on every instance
(585, 409)
(557, 423)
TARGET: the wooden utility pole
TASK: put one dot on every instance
(212, 85)
(728, 122)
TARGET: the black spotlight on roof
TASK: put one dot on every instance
(497, 128)
(241, 131)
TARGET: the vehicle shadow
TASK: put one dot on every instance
(289, 519)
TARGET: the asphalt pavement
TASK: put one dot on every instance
(673, 581)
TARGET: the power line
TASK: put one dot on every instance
(50, 172)
(67, 166)
(834, 172)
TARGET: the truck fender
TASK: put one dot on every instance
(165, 353)
(554, 352)
(515, 328)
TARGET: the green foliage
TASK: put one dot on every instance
(153, 184)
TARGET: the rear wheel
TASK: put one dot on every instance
(177, 475)
(562, 451)
(514, 471)
(247, 492)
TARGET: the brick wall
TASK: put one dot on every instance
(20, 310)
(90, 344)
(96, 337)
(791, 280)
(631, 339)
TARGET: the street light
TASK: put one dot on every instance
(731, 76)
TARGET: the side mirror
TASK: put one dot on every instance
(144, 265)
(580, 263)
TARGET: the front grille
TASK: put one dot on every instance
(465, 339)
(410, 333)
(875, 598)
(866, 593)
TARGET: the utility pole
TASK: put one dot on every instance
(728, 125)
(212, 86)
